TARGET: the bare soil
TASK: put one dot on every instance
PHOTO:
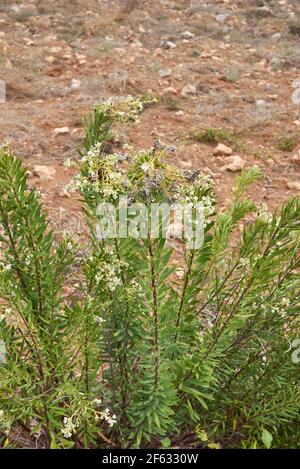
(241, 69)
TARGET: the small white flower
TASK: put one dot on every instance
(97, 402)
(69, 163)
(99, 320)
(146, 167)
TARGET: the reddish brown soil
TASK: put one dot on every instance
(115, 48)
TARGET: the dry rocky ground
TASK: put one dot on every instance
(232, 65)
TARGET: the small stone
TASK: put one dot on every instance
(261, 103)
(296, 158)
(137, 44)
(75, 84)
(2, 34)
(263, 11)
(46, 173)
(294, 185)
(276, 37)
(222, 17)
(296, 96)
(165, 72)
(169, 90)
(61, 130)
(62, 192)
(2, 92)
(187, 35)
(222, 150)
(50, 59)
(296, 83)
(8, 64)
(168, 45)
(236, 164)
(188, 90)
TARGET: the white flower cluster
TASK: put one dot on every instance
(190, 197)
(5, 423)
(99, 173)
(134, 290)
(110, 273)
(124, 110)
(146, 167)
(5, 267)
(244, 262)
(104, 414)
(69, 427)
(279, 309)
(264, 214)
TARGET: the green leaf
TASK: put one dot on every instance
(266, 438)
(166, 443)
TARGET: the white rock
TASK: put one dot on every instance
(50, 59)
(222, 150)
(276, 37)
(187, 35)
(137, 44)
(296, 83)
(222, 17)
(169, 45)
(236, 163)
(294, 185)
(75, 84)
(188, 90)
(296, 96)
(46, 173)
(61, 130)
(2, 92)
(169, 90)
(261, 103)
(165, 72)
(295, 158)
(63, 193)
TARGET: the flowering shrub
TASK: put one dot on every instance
(157, 342)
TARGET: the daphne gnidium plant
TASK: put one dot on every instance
(161, 339)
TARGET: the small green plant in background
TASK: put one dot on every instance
(170, 103)
(213, 135)
(232, 74)
(153, 344)
(286, 143)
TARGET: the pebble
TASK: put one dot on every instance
(169, 90)
(75, 84)
(2, 92)
(168, 45)
(276, 37)
(62, 192)
(46, 173)
(187, 35)
(222, 17)
(165, 72)
(188, 90)
(294, 185)
(222, 150)
(296, 83)
(296, 96)
(236, 164)
(61, 130)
